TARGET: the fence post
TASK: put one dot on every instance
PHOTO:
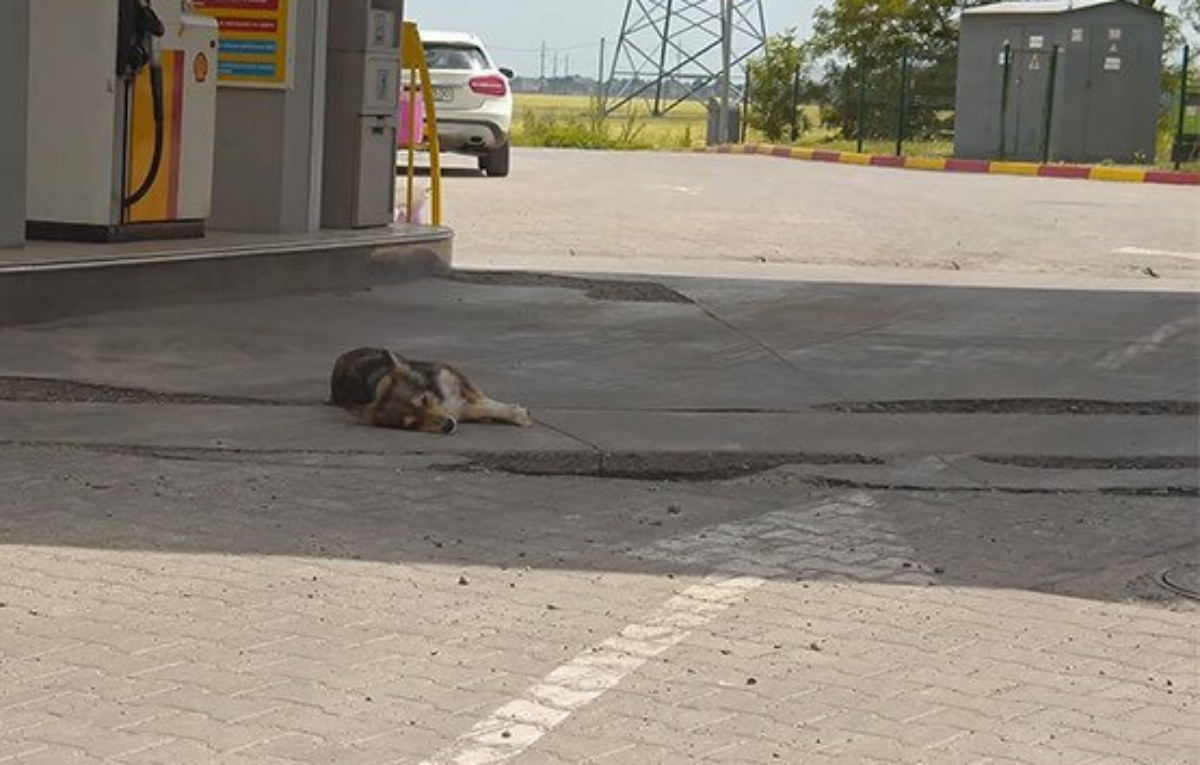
(796, 105)
(1048, 114)
(1007, 74)
(902, 116)
(1177, 147)
(601, 95)
(744, 122)
(862, 100)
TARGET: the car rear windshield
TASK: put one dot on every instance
(463, 57)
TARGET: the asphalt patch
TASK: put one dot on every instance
(56, 391)
(1149, 462)
(1049, 406)
(648, 466)
(611, 290)
(1110, 491)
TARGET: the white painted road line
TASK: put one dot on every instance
(680, 189)
(1157, 253)
(520, 723)
(840, 538)
(1147, 344)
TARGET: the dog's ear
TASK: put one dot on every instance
(402, 371)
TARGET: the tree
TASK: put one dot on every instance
(1189, 13)
(863, 42)
(773, 80)
(1181, 29)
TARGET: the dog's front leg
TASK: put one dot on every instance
(490, 410)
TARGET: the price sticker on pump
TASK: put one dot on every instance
(256, 41)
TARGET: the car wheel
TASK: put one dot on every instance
(495, 163)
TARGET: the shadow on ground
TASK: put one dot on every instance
(372, 508)
(573, 343)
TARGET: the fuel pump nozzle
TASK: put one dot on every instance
(138, 26)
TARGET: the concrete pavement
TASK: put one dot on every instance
(753, 218)
(696, 366)
(755, 523)
(43, 281)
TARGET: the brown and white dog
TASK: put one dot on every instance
(389, 391)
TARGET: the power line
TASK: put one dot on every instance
(548, 48)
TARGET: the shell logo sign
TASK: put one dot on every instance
(200, 67)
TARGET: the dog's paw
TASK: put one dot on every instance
(522, 417)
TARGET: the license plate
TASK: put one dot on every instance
(443, 94)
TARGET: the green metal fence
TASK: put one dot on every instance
(888, 104)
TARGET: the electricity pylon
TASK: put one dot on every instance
(670, 50)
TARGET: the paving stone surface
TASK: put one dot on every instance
(325, 610)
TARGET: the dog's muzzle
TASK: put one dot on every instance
(449, 426)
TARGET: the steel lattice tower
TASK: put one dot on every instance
(670, 50)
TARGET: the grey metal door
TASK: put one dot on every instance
(1110, 129)
(1031, 76)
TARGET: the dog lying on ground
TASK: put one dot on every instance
(388, 391)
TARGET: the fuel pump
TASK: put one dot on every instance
(122, 119)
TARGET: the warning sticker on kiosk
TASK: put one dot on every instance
(256, 49)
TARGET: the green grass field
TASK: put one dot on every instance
(540, 120)
(550, 120)
(572, 122)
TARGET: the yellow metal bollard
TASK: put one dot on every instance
(412, 60)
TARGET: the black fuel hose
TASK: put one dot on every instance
(156, 97)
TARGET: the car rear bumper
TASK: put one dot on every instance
(469, 136)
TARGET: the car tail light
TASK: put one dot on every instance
(489, 85)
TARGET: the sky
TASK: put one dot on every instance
(514, 30)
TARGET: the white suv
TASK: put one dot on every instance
(473, 99)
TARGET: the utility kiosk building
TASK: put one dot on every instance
(1059, 80)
